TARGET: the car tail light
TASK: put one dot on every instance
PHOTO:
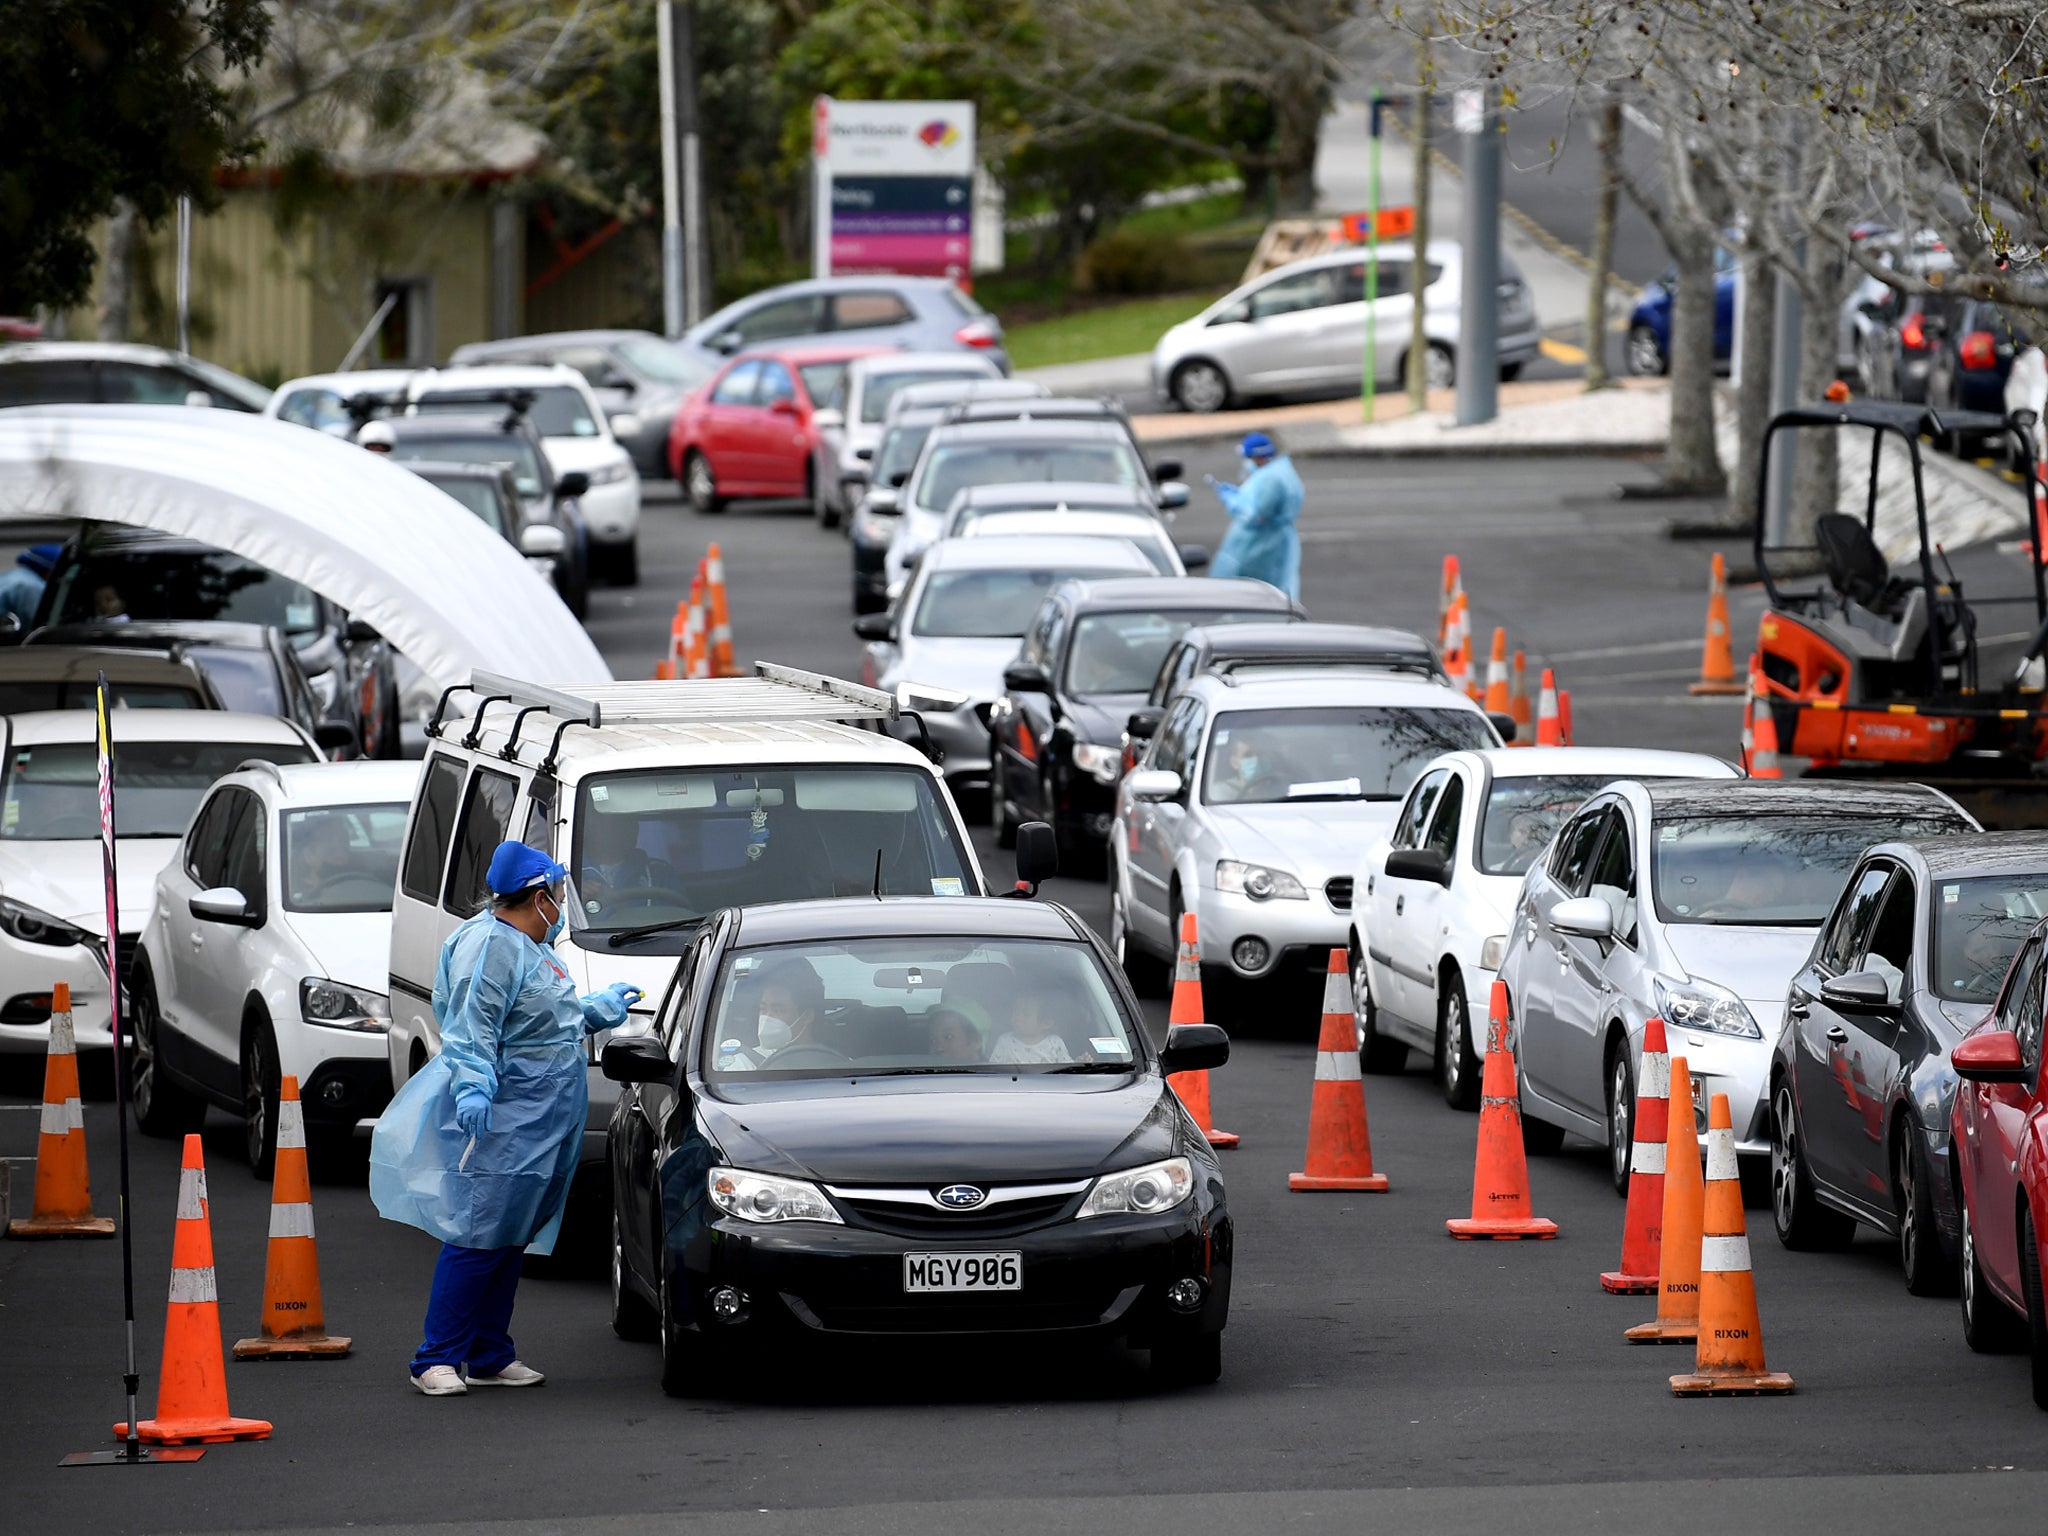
(1979, 349)
(978, 333)
(1912, 335)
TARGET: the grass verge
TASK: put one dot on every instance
(1108, 330)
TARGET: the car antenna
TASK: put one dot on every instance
(878, 873)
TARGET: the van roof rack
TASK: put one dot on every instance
(773, 693)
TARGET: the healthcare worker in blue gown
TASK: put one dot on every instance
(1262, 542)
(479, 1147)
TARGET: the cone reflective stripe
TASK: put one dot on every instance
(720, 632)
(1497, 674)
(1729, 1356)
(694, 656)
(1518, 701)
(1500, 1168)
(1642, 1227)
(192, 1390)
(63, 1198)
(1192, 1088)
(1717, 660)
(1339, 1142)
(294, 1321)
(1548, 732)
(1678, 1251)
(1447, 594)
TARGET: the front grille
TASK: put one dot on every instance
(1338, 890)
(901, 1217)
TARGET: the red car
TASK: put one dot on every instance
(748, 432)
(2000, 1157)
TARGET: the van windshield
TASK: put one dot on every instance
(674, 845)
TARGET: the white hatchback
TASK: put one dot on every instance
(268, 950)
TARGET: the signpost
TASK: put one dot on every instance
(894, 187)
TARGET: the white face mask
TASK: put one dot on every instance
(773, 1034)
(1249, 466)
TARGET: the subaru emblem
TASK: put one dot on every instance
(961, 1197)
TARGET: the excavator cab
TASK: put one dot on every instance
(1871, 660)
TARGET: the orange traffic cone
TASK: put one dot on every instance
(1749, 711)
(1447, 594)
(1500, 1170)
(1730, 1357)
(1564, 716)
(1339, 1141)
(1642, 1228)
(1497, 674)
(1763, 734)
(1678, 1252)
(1717, 664)
(672, 667)
(1548, 732)
(192, 1389)
(720, 632)
(696, 662)
(1192, 1088)
(1518, 701)
(63, 1205)
(294, 1322)
(1458, 645)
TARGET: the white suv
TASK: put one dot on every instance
(266, 953)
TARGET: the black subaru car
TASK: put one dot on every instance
(899, 1117)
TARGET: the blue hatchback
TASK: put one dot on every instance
(1649, 323)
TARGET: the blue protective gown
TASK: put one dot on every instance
(512, 1026)
(1262, 542)
(21, 590)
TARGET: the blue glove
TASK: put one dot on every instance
(607, 1009)
(473, 1111)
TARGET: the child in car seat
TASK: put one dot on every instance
(1032, 1037)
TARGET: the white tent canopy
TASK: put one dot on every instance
(396, 552)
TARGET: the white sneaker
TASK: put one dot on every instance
(514, 1375)
(440, 1381)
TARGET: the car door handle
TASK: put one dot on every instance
(1797, 1007)
(1399, 903)
(1837, 1034)
(198, 941)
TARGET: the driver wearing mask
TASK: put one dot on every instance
(791, 1000)
(1241, 767)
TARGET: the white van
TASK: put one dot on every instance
(668, 802)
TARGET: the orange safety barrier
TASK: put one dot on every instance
(1678, 1251)
(63, 1199)
(1339, 1140)
(1717, 661)
(1500, 1168)
(294, 1321)
(1729, 1358)
(1192, 1088)
(1642, 1227)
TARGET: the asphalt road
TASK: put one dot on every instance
(1377, 1375)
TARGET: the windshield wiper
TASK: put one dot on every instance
(1093, 1066)
(624, 936)
(922, 1071)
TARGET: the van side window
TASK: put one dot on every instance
(426, 854)
(541, 795)
(485, 815)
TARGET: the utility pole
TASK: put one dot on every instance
(683, 288)
(1479, 294)
(1418, 265)
(184, 276)
(696, 287)
(672, 297)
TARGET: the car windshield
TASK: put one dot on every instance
(1978, 927)
(820, 379)
(916, 1005)
(663, 362)
(1121, 652)
(342, 858)
(245, 680)
(475, 494)
(881, 388)
(558, 410)
(1768, 871)
(51, 793)
(1277, 756)
(987, 605)
(169, 585)
(1523, 815)
(951, 468)
(671, 846)
(516, 453)
(18, 696)
(899, 451)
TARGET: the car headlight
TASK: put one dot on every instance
(926, 696)
(612, 474)
(339, 1007)
(1258, 882)
(1492, 952)
(32, 925)
(1104, 764)
(1703, 1005)
(873, 527)
(1140, 1191)
(765, 1198)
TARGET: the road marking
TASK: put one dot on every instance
(1604, 652)
(1561, 351)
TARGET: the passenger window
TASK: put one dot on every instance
(1392, 282)
(1414, 816)
(675, 1005)
(1572, 861)
(2029, 1025)
(540, 814)
(433, 827)
(1304, 290)
(206, 842)
(1614, 876)
(1852, 919)
(863, 311)
(737, 387)
(1443, 828)
(1889, 950)
(803, 316)
(1170, 746)
(485, 816)
(2017, 980)
(246, 843)
(776, 384)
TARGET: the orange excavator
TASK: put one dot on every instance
(1872, 667)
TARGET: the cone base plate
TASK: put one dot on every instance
(197, 1431)
(1222, 1140)
(145, 1456)
(1371, 1183)
(1615, 1283)
(1768, 1383)
(1663, 1333)
(326, 1347)
(62, 1226)
(1727, 689)
(1465, 1229)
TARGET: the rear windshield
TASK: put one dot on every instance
(245, 680)
(558, 410)
(20, 697)
(1978, 927)
(956, 467)
(166, 585)
(1770, 871)
(1121, 652)
(51, 792)
(663, 361)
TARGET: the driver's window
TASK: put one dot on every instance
(1170, 746)
(1889, 950)
(803, 316)
(1852, 919)
(776, 385)
(1443, 827)
(675, 1011)
(1614, 877)
(2029, 1023)
(1302, 290)
(1573, 861)
(2017, 980)
(1415, 814)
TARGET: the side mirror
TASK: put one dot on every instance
(900, 479)
(1505, 724)
(1165, 470)
(618, 381)
(783, 407)
(1193, 1048)
(1038, 854)
(198, 399)
(1584, 917)
(1143, 724)
(636, 1059)
(361, 632)
(335, 736)
(1424, 864)
(1172, 496)
(625, 424)
(827, 418)
(1861, 991)
(223, 904)
(865, 455)
(1194, 556)
(1990, 1057)
(728, 343)
(884, 501)
(543, 541)
(1026, 677)
(875, 626)
(574, 483)
(1154, 784)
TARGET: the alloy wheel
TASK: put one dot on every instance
(1645, 357)
(1200, 388)
(1440, 369)
(700, 482)
(1620, 1120)
(1449, 1045)
(1361, 996)
(1784, 1160)
(1907, 1182)
(142, 1056)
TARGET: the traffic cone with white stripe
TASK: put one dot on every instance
(1749, 712)
(294, 1322)
(1458, 644)
(1192, 1088)
(1496, 700)
(1717, 659)
(1500, 1168)
(696, 662)
(1339, 1142)
(63, 1201)
(1518, 701)
(192, 1388)
(1642, 1229)
(1730, 1351)
(1447, 594)
(1678, 1251)
(1548, 732)
(720, 616)
(1763, 736)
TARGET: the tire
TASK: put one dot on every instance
(1802, 1222)
(999, 798)
(162, 1107)
(868, 602)
(260, 1093)
(1376, 1053)
(1928, 1272)
(632, 1318)
(1199, 386)
(572, 581)
(1457, 1069)
(2037, 1313)
(1195, 1362)
(1644, 353)
(1145, 973)
(621, 563)
(1621, 1116)
(1439, 368)
(700, 484)
(691, 1364)
(1990, 1327)
(821, 507)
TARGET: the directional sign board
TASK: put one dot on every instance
(895, 187)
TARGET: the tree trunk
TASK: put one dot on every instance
(1297, 131)
(1816, 485)
(117, 272)
(1753, 389)
(1418, 336)
(1691, 462)
(1603, 248)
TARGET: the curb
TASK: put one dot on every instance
(1540, 450)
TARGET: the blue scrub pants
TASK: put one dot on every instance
(469, 1311)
